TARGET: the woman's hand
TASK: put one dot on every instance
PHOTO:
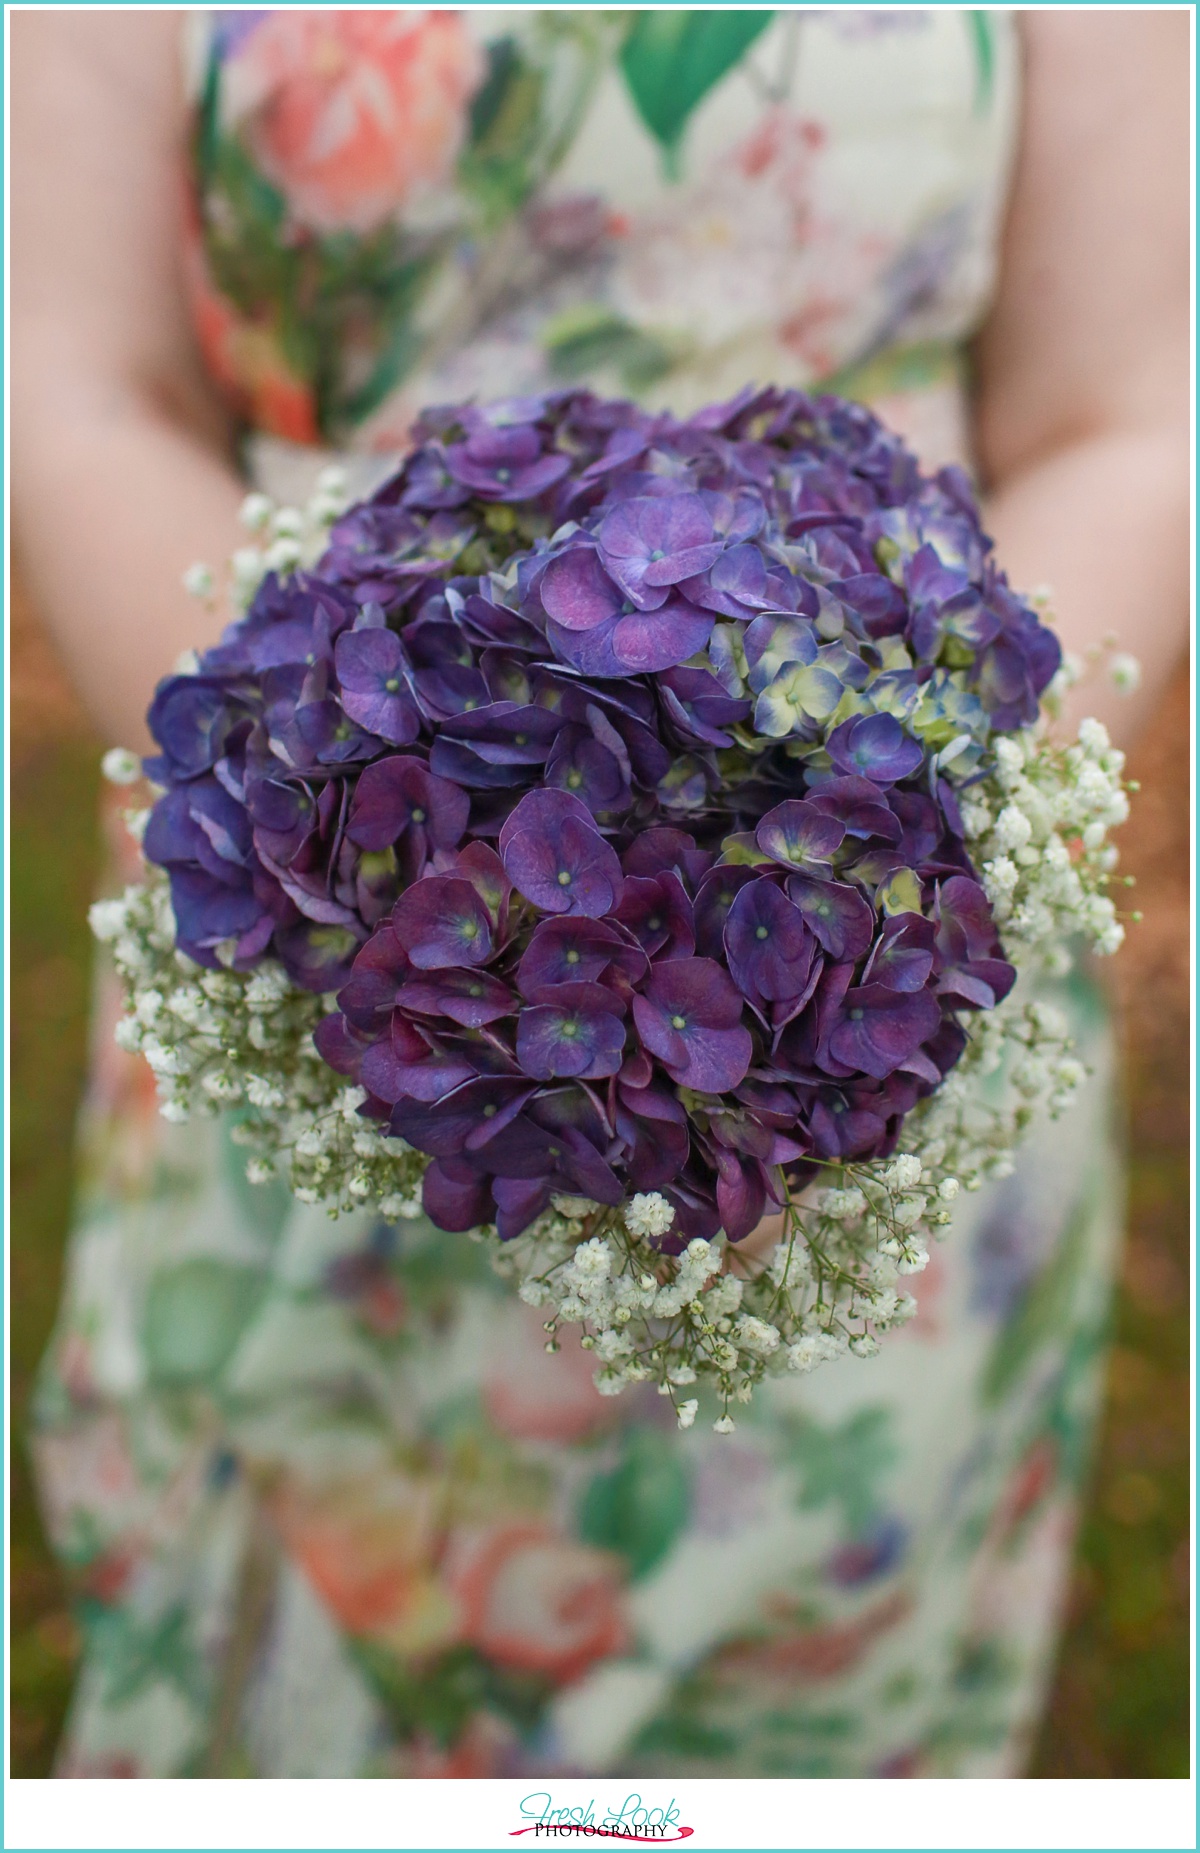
(123, 471)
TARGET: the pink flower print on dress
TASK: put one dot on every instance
(811, 1654)
(487, 1746)
(89, 1468)
(540, 1603)
(536, 1396)
(244, 357)
(753, 250)
(77, 1765)
(353, 114)
(368, 1547)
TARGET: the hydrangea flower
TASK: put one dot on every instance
(608, 767)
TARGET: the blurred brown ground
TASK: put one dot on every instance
(1120, 1701)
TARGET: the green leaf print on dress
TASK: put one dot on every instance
(1042, 1308)
(640, 1507)
(136, 1654)
(195, 1314)
(439, 1698)
(841, 1465)
(266, 1207)
(672, 60)
(497, 163)
(981, 40)
(593, 338)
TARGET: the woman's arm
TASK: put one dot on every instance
(1082, 413)
(123, 467)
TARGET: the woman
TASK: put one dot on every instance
(332, 1509)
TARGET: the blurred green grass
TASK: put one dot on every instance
(54, 854)
(1119, 1704)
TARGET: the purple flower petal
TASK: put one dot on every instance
(921, 826)
(971, 968)
(571, 949)
(655, 909)
(842, 920)
(327, 735)
(596, 771)
(455, 1197)
(654, 1127)
(714, 898)
(503, 463)
(369, 995)
(464, 1119)
(965, 927)
(798, 834)
(200, 822)
(520, 1201)
(742, 1194)
(902, 958)
(472, 998)
(505, 732)
(406, 1064)
(737, 585)
(857, 1121)
(773, 642)
(699, 707)
(590, 652)
(441, 921)
(373, 688)
(689, 1016)
(654, 851)
(879, 605)
(317, 957)
(574, 1030)
(652, 542)
(479, 864)
(584, 1169)
(429, 482)
(554, 855)
(399, 797)
(857, 804)
(878, 1028)
(191, 718)
(646, 641)
(340, 1044)
(577, 592)
(773, 954)
(875, 746)
(694, 1202)
(737, 516)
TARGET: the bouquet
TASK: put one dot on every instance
(619, 837)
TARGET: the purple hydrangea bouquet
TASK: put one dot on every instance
(618, 838)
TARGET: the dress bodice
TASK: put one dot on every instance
(394, 208)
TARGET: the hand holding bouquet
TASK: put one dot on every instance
(616, 831)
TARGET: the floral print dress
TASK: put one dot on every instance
(328, 1505)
